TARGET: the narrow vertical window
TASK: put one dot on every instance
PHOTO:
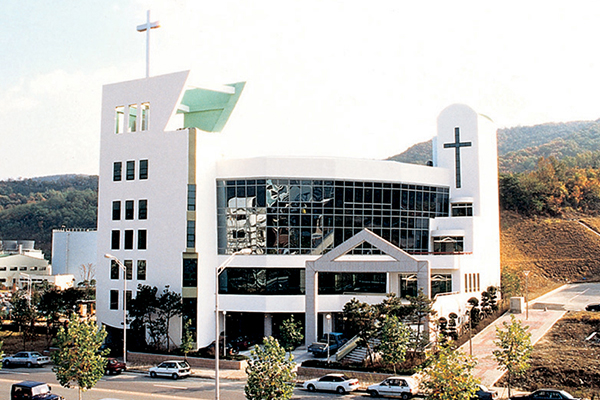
(114, 270)
(129, 209)
(141, 270)
(120, 119)
(114, 299)
(115, 240)
(191, 198)
(141, 239)
(131, 123)
(145, 109)
(128, 240)
(191, 234)
(117, 166)
(143, 209)
(130, 170)
(143, 169)
(128, 269)
(190, 272)
(116, 210)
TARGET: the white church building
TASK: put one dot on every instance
(173, 207)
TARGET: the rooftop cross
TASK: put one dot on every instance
(146, 28)
(457, 145)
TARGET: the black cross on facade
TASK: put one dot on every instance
(457, 145)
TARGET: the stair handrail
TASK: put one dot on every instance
(347, 348)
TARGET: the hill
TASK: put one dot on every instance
(554, 250)
(520, 148)
(31, 208)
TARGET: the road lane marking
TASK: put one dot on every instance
(171, 387)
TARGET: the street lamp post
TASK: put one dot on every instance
(122, 267)
(328, 316)
(469, 311)
(526, 273)
(218, 271)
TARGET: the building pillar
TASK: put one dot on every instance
(312, 304)
(268, 325)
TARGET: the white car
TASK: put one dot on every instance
(395, 386)
(172, 368)
(26, 358)
(333, 382)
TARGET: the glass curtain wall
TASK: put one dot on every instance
(284, 216)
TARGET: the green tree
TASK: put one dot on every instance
(78, 360)
(51, 308)
(187, 339)
(422, 311)
(514, 343)
(24, 313)
(362, 320)
(489, 301)
(170, 305)
(291, 334)
(270, 372)
(395, 338)
(448, 375)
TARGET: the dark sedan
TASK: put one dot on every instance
(592, 307)
(544, 394)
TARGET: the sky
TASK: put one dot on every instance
(324, 77)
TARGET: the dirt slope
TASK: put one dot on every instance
(554, 250)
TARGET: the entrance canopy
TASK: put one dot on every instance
(338, 260)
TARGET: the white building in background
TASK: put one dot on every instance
(21, 265)
(172, 207)
(74, 252)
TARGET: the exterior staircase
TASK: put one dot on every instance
(351, 352)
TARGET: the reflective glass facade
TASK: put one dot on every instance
(264, 281)
(285, 216)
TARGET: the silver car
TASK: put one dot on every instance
(26, 358)
(395, 386)
(174, 369)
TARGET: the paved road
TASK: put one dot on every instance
(134, 386)
(572, 297)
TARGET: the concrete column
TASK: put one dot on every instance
(312, 304)
(268, 325)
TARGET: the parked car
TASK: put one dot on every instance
(544, 394)
(114, 366)
(484, 393)
(332, 382)
(209, 351)
(26, 358)
(395, 386)
(592, 307)
(32, 390)
(242, 343)
(172, 368)
(324, 347)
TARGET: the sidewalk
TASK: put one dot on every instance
(539, 322)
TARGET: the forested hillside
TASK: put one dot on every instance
(31, 208)
(520, 148)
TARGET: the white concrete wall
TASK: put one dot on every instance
(71, 249)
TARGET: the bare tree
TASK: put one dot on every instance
(87, 272)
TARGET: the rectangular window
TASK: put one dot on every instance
(143, 209)
(441, 283)
(141, 270)
(131, 126)
(114, 299)
(141, 239)
(462, 209)
(116, 210)
(119, 119)
(143, 169)
(191, 234)
(448, 244)
(191, 199)
(128, 240)
(117, 166)
(190, 313)
(190, 272)
(114, 270)
(145, 109)
(128, 269)
(408, 286)
(130, 170)
(127, 297)
(115, 240)
(129, 209)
